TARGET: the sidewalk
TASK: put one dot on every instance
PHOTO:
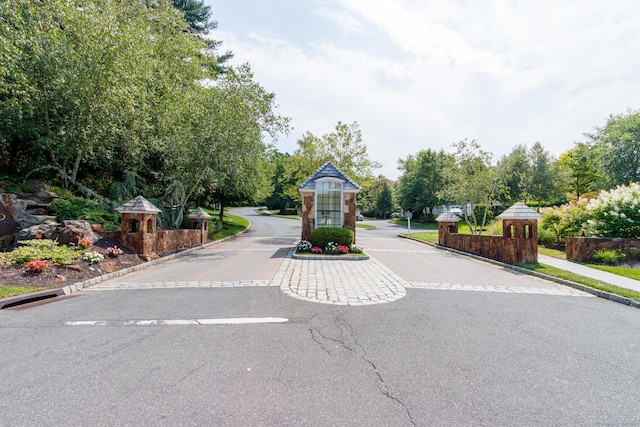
(612, 279)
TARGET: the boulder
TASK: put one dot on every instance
(26, 220)
(44, 197)
(7, 241)
(35, 186)
(73, 231)
(47, 230)
(8, 223)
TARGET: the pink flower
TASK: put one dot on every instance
(316, 250)
(343, 249)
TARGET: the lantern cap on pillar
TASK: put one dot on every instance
(199, 213)
(448, 217)
(139, 205)
(519, 211)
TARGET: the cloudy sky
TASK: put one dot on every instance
(418, 74)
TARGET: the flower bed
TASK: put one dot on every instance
(305, 250)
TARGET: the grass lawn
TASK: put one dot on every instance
(596, 284)
(425, 236)
(552, 252)
(12, 291)
(275, 213)
(631, 273)
(366, 226)
(430, 226)
(231, 225)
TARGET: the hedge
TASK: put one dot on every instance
(323, 235)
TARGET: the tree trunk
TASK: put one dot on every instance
(76, 166)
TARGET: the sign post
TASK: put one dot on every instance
(409, 215)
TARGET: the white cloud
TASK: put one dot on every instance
(501, 72)
(343, 20)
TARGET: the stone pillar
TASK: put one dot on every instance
(444, 228)
(308, 214)
(349, 213)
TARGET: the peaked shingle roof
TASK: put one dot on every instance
(138, 205)
(519, 211)
(328, 170)
(199, 213)
(448, 217)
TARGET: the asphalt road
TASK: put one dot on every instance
(434, 357)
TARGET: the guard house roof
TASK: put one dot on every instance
(198, 213)
(329, 170)
(448, 217)
(137, 206)
(519, 211)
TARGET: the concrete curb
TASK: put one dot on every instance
(600, 294)
(76, 287)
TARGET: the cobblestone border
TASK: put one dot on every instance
(600, 294)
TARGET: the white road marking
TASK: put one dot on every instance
(179, 322)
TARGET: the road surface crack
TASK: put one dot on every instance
(339, 332)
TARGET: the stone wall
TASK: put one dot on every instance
(512, 250)
(582, 248)
(174, 240)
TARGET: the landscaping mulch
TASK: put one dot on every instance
(56, 276)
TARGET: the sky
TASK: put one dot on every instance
(424, 74)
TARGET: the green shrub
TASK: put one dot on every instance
(323, 235)
(495, 228)
(615, 212)
(547, 236)
(45, 249)
(77, 208)
(214, 226)
(478, 211)
(355, 249)
(608, 256)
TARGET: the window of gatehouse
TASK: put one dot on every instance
(328, 203)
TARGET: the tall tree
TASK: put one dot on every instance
(542, 185)
(344, 147)
(619, 141)
(582, 164)
(424, 177)
(384, 197)
(516, 170)
(197, 15)
(473, 181)
(224, 152)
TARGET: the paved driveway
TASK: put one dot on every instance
(217, 339)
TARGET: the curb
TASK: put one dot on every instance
(76, 287)
(600, 294)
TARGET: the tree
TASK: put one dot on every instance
(542, 185)
(619, 141)
(424, 177)
(472, 181)
(384, 199)
(343, 147)
(278, 199)
(222, 151)
(197, 15)
(99, 82)
(516, 170)
(582, 164)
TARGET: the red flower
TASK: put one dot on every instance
(37, 265)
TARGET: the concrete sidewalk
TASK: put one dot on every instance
(582, 270)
